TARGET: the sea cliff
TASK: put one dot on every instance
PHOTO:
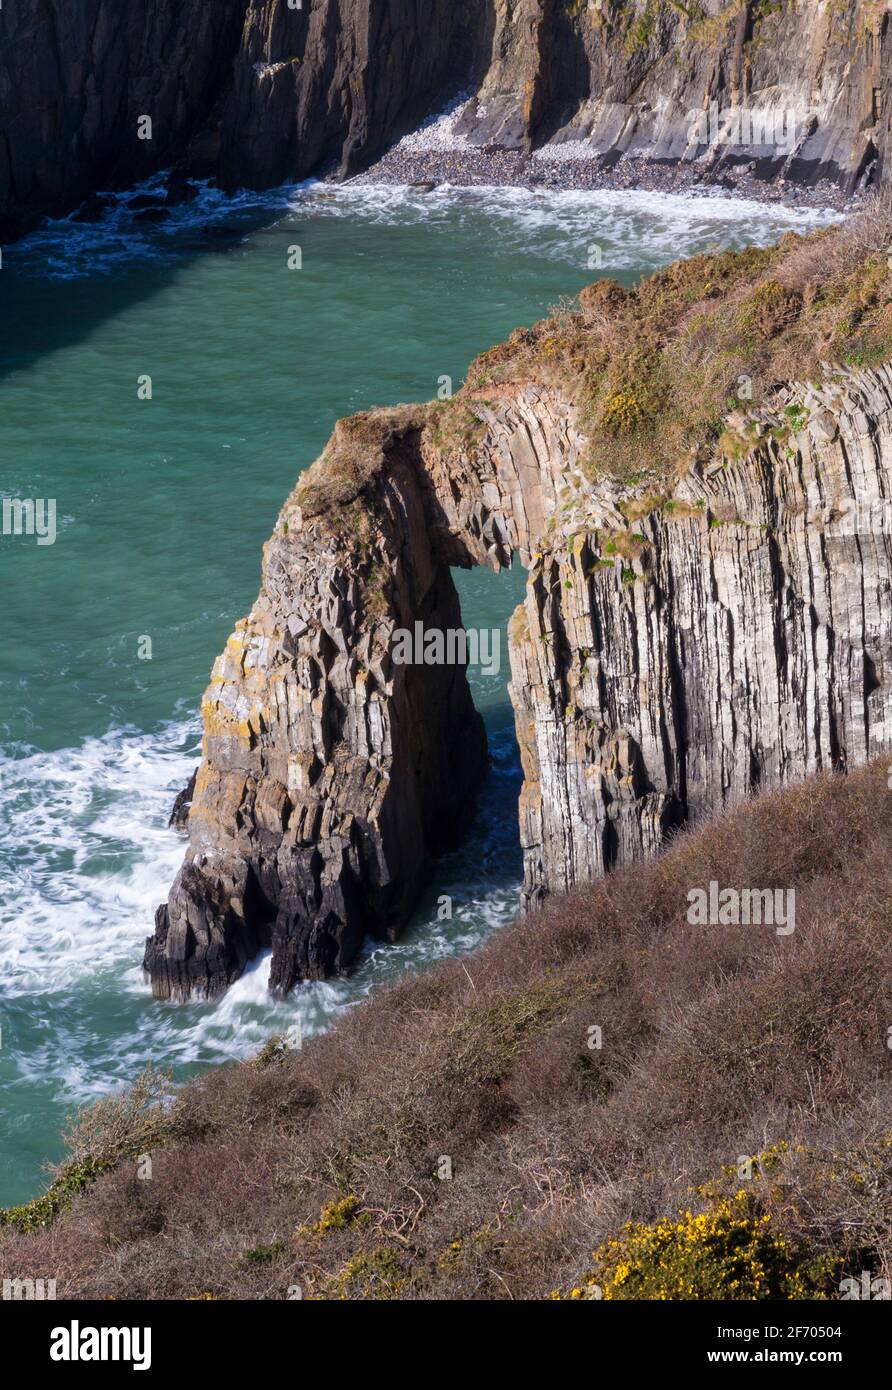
(709, 553)
(257, 92)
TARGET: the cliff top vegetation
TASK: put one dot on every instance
(679, 367)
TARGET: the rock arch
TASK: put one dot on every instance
(672, 654)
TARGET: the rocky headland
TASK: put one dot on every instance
(696, 475)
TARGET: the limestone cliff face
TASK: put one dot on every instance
(255, 92)
(627, 76)
(673, 654)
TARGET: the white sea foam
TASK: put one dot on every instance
(68, 249)
(637, 229)
(85, 857)
(634, 229)
(84, 852)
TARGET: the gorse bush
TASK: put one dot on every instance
(622, 414)
(730, 1251)
(335, 1216)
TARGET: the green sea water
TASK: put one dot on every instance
(162, 507)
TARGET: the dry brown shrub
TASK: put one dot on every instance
(717, 1043)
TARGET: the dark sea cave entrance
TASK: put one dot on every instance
(478, 880)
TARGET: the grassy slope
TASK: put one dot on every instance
(319, 1168)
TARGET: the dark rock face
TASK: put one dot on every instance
(179, 816)
(209, 932)
(332, 773)
(76, 76)
(255, 92)
(339, 78)
(251, 92)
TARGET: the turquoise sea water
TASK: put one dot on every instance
(162, 508)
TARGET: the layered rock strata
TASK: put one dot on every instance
(736, 636)
(330, 773)
(705, 82)
(674, 653)
(256, 92)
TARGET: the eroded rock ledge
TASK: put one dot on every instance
(673, 653)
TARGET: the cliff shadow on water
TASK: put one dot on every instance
(69, 278)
